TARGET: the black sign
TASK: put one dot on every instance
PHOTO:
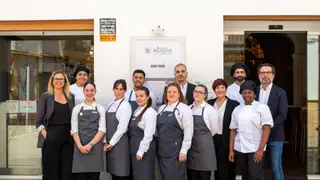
(108, 26)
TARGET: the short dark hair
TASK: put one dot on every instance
(122, 82)
(139, 71)
(267, 65)
(87, 83)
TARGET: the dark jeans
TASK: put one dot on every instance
(274, 149)
(250, 170)
(226, 170)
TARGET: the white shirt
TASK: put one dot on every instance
(264, 94)
(133, 97)
(248, 121)
(221, 111)
(123, 116)
(185, 119)
(184, 89)
(234, 94)
(76, 111)
(210, 116)
(148, 124)
(78, 93)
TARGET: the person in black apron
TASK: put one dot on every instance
(88, 128)
(138, 81)
(174, 134)
(53, 124)
(201, 156)
(141, 133)
(117, 143)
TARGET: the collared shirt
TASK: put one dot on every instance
(123, 116)
(264, 94)
(76, 111)
(233, 92)
(184, 89)
(248, 121)
(78, 93)
(148, 124)
(221, 111)
(133, 97)
(185, 119)
(210, 116)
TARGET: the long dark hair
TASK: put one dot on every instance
(147, 93)
(122, 82)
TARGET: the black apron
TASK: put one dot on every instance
(201, 155)
(133, 104)
(118, 158)
(88, 125)
(169, 143)
(145, 168)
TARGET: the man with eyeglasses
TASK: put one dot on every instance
(276, 98)
(138, 81)
(181, 75)
(239, 71)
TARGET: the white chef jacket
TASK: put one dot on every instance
(248, 121)
(148, 124)
(234, 94)
(78, 93)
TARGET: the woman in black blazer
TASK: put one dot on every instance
(53, 123)
(225, 170)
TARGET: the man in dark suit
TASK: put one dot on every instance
(276, 98)
(181, 75)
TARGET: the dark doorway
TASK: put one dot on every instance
(287, 51)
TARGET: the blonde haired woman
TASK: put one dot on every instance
(53, 124)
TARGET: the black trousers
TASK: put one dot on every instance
(120, 177)
(250, 170)
(226, 170)
(198, 175)
(86, 176)
(58, 153)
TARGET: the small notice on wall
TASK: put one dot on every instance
(28, 107)
(108, 30)
(12, 106)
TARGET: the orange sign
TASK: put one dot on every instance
(108, 37)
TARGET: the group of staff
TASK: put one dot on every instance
(188, 136)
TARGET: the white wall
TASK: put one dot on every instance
(201, 22)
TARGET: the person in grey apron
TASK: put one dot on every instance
(117, 143)
(141, 133)
(88, 128)
(201, 156)
(133, 103)
(174, 134)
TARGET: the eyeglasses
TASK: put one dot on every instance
(58, 79)
(267, 72)
(198, 92)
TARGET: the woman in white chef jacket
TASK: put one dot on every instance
(117, 143)
(81, 75)
(142, 128)
(88, 126)
(174, 134)
(250, 128)
(201, 155)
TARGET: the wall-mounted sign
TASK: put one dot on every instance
(108, 29)
(157, 56)
(28, 106)
(12, 106)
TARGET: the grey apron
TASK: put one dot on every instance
(169, 143)
(133, 104)
(88, 125)
(118, 158)
(144, 169)
(201, 155)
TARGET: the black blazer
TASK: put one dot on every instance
(45, 111)
(231, 104)
(189, 94)
(278, 105)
